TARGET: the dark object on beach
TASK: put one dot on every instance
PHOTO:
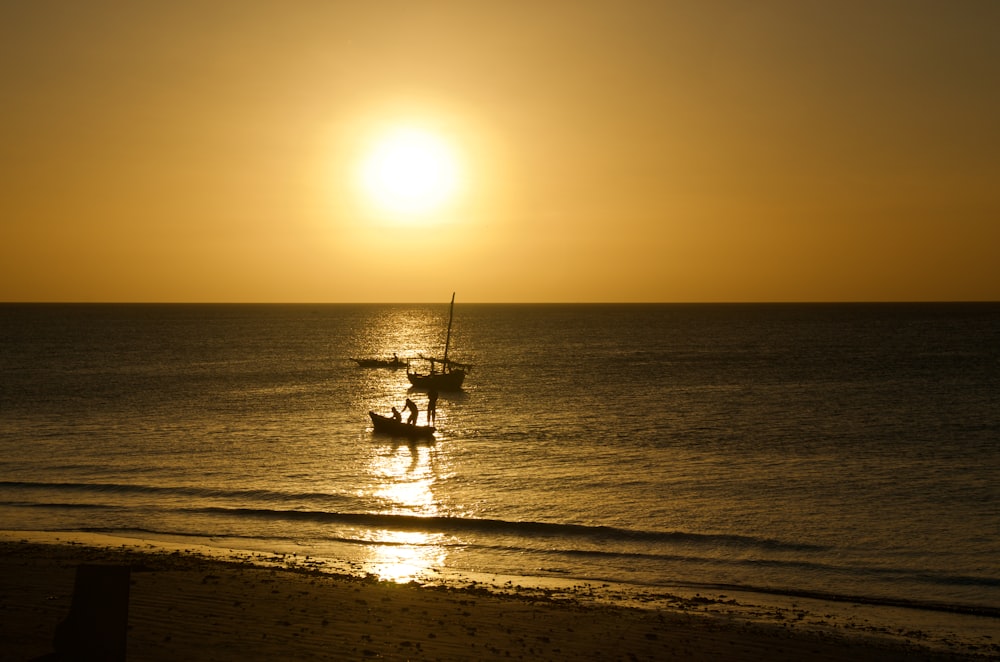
(98, 617)
(452, 373)
(393, 364)
(386, 425)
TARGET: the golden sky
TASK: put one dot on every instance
(658, 151)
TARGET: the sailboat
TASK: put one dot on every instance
(445, 374)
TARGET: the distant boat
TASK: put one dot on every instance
(393, 364)
(390, 426)
(444, 374)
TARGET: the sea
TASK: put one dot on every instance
(841, 455)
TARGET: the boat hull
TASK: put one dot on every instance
(440, 381)
(380, 363)
(386, 425)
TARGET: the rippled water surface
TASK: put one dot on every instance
(842, 449)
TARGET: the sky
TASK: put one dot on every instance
(619, 151)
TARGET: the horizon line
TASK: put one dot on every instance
(503, 303)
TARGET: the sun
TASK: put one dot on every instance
(410, 173)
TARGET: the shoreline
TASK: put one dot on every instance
(200, 602)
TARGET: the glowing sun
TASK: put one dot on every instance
(410, 172)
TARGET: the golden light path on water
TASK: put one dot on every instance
(403, 477)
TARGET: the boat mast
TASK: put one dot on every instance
(447, 341)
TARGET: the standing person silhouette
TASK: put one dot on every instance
(412, 407)
(432, 402)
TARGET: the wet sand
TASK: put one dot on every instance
(186, 606)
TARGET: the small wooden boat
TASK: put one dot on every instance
(393, 364)
(388, 425)
(449, 376)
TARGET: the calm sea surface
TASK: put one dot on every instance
(849, 450)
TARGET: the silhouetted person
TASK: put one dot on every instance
(412, 407)
(432, 403)
(396, 416)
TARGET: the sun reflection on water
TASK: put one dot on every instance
(402, 478)
(405, 556)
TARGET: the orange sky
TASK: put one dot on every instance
(610, 151)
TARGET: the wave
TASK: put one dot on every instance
(445, 524)
(188, 491)
(63, 506)
(430, 524)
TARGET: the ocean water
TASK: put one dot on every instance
(836, 450)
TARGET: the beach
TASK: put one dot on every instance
(185, 605)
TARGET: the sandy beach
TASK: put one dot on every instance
(184, 605)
